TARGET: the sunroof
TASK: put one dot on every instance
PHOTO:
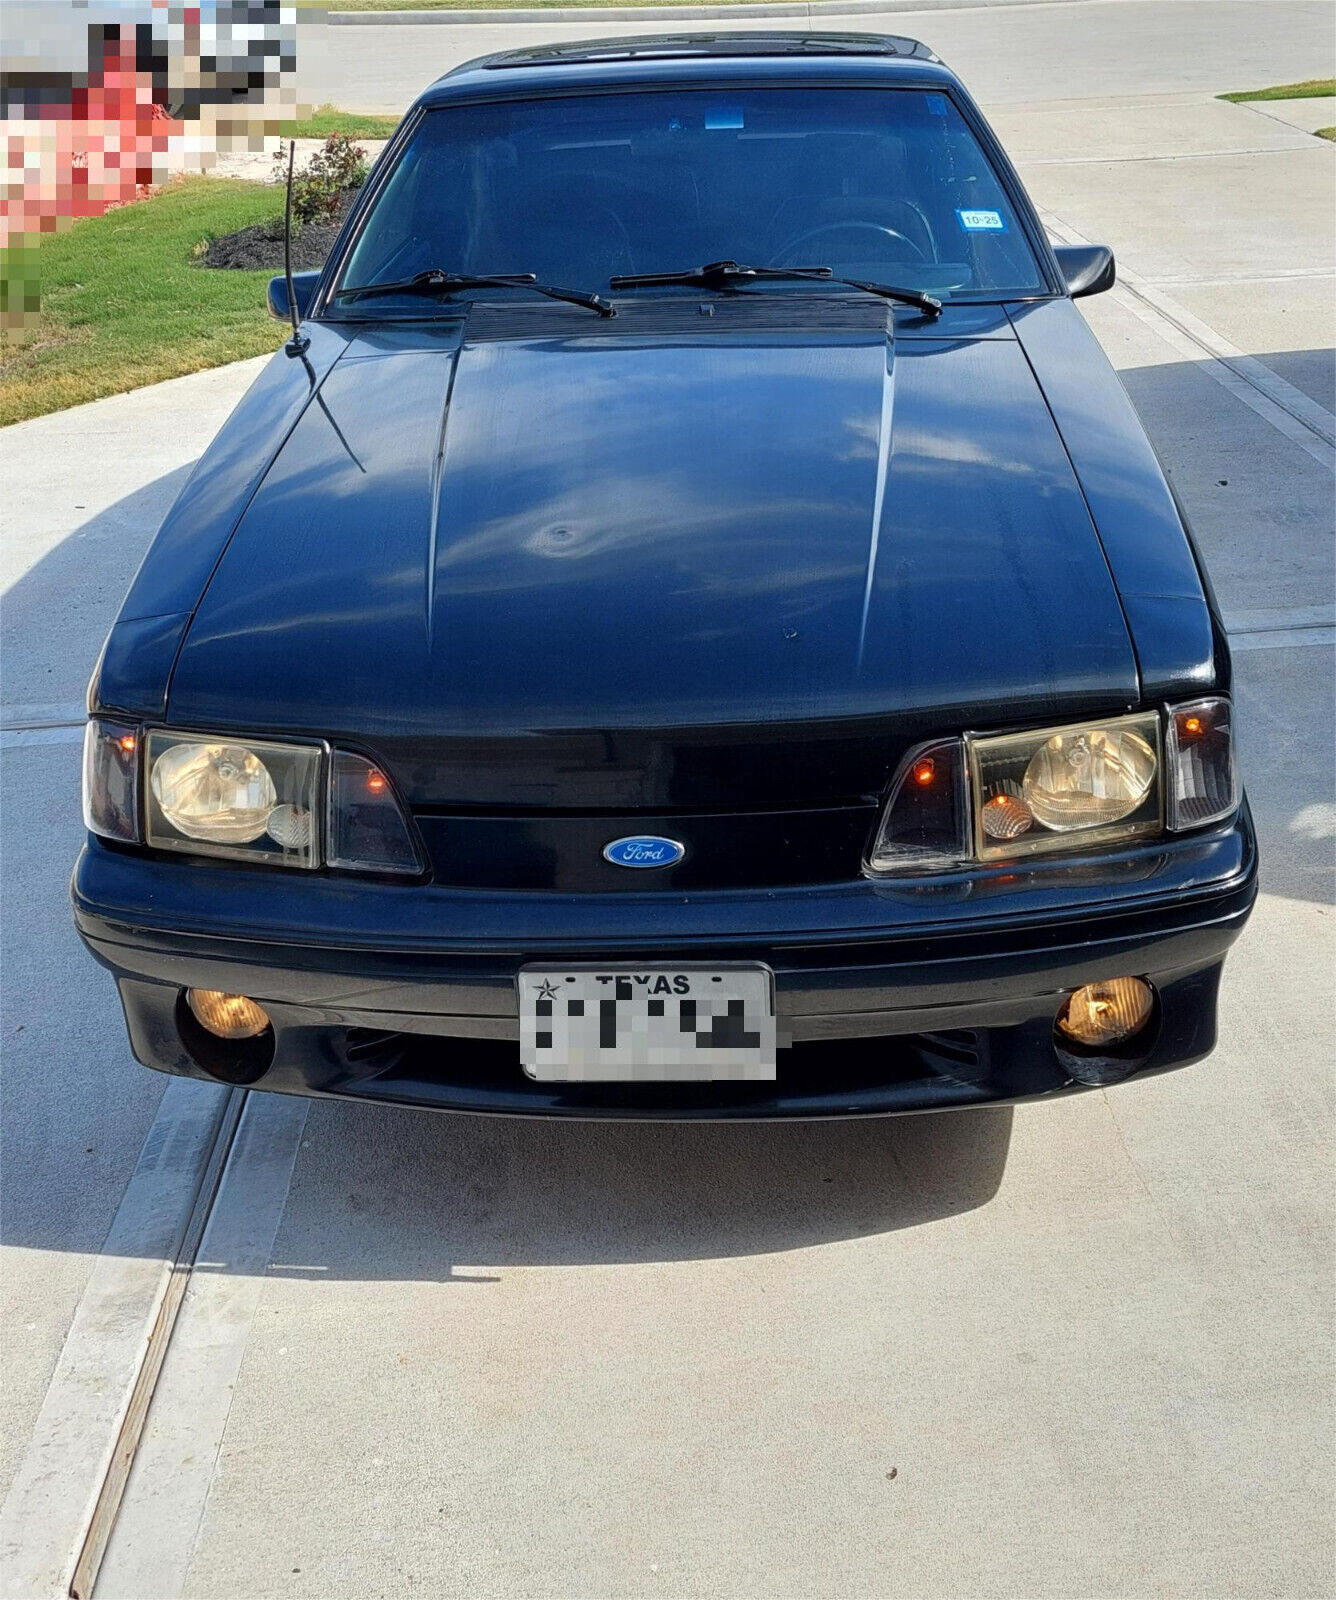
(686, 46)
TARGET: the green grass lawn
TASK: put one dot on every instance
(325, 120)
(1309, 89)
(123, 304)
(1325, 133)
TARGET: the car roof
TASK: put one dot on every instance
(691, 57)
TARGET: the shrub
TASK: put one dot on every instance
(317, 191)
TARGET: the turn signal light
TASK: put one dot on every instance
(1201, 762)
(1006, 817)
(227, 1016)
(924, 824)
(1108, 1012)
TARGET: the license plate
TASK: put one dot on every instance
(683, 1024)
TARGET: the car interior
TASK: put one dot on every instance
(888, 185)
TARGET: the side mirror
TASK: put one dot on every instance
(303, 286)
(1086, 268)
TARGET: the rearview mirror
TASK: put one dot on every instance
(1086, 268)
(303, 287)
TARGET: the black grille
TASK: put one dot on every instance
(824, 1067)
(728, 850)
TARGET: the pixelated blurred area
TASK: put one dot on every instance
(104, 100)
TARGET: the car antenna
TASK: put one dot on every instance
(299, 343)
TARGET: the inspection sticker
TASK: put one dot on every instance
(981, 221)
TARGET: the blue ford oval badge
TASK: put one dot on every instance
(643, 850)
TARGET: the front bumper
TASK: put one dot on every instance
(890, 997)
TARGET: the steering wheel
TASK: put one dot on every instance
(791, 247)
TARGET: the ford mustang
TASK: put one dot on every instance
(689, 625)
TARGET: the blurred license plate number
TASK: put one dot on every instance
(647, 1024)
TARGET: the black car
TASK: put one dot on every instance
(690, 625)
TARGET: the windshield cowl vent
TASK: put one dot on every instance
(640, 316)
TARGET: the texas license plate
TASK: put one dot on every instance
(647, 1024)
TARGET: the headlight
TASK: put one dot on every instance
(289, 805)
(218, 792)
(1088, 779)
(1065, 788)
(252, 801)
(996, 798)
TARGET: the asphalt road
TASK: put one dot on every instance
(1078, 1349)
(1006, 53)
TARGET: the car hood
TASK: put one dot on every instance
(481, 551)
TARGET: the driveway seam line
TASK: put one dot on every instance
(107, 1505)
(55, 1491)
(1172, 156)
(162, 1514)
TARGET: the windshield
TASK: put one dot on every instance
(877, 184)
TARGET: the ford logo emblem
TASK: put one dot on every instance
(643, 850)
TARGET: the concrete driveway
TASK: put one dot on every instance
(1081, 1349)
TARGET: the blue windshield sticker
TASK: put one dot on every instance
(724, 117)
(937, 104)
(981, 221)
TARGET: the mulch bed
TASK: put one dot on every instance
(260, 247)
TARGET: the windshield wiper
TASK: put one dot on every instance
(725, 274)
(436, 282)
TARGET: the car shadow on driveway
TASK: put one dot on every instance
(57, 614)
(401, 1195)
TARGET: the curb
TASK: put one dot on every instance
(767, 8)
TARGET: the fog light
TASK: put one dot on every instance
(227, 1016)
(1107, 1012)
